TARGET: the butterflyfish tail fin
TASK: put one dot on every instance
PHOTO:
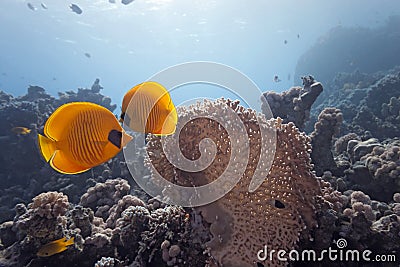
(47, 147)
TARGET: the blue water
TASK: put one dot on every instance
(130, 43)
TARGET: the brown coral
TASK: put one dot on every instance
(293, 105)
(50, 205)
(243, 222)
(328, 126)
(45, 216)
(103, 196)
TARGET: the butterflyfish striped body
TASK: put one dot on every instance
(148, 108)
(81, 135)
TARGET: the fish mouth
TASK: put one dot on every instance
(122, 117)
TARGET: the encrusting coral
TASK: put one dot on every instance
(369, 111)
(375, 167)
(243, 222)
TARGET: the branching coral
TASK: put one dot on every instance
(243, 222)
(293, 105)
(49, 205)
(103, 196)
(44, 216)
(326, 128)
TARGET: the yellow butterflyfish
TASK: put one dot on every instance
(81, 135)
(148, 108)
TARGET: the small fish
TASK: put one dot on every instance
(111, 1)
(31, 6)
(55, 247)
(148, 108)
(285, 42)
(126, 2)
(88, 55)
(276, 79)
(43, 5)
(21, 130)
(80, 136)
(186, 218)
(298, 36)
(75, 8)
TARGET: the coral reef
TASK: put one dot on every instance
(22, 179)
(350, 45)
(114, 223)
(362, 223)
(135, 234)
(370, 111)
(376, 167)
(43, 221)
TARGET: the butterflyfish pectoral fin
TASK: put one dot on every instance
(47, 147)
(62, 164)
